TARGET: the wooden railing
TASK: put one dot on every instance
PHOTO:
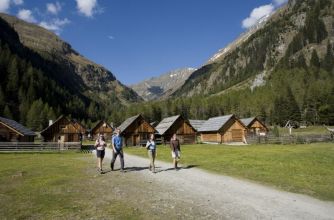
(289, 139)
(43, 146)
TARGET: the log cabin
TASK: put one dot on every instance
(102, 127)
(255, 126)
(12, 131)
(62, 130)
(80, 127)
(184, 131)
(223, 129)
(136, 130)
(197, 124)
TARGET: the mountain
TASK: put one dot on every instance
(39, 70)
(94, 77)
(163, 85)
(261, 50)
(281, 69)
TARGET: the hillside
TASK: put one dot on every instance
(96, 78)
(39, 70)
(163, 85)
(282, 69)
(258, 53)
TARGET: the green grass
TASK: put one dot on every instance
(304, 131)
(57, 185)
(307, 169)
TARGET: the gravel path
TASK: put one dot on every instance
(225, 197)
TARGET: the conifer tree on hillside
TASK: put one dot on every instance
(7, 113)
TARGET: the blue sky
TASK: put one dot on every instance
(138, 39)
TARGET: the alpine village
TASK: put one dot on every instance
(267, 94)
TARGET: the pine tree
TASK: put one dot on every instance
(328, 62)
(35, 116)
(2, 100)
(13, 79)
(7, 113)
(315, 62)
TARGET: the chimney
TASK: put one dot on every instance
(50, 122)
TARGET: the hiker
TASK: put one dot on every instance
(152, 152)
(176, 150)
(100, 145)
(117, 145)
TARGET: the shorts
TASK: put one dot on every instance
(176, 154)
(100, 153)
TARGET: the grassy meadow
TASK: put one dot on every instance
(59, 186)
(307, 169)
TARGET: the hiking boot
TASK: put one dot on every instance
(112, 167)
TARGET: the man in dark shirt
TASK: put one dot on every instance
(176, 150)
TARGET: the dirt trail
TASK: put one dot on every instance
(217, 196)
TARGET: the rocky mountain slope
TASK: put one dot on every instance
(79, 72)
(163, 85)
(288, 35)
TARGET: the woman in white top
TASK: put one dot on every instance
(152, 152)
(100, 145)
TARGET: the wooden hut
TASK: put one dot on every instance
(223, 129)
(13, 131)
(255, 126)
(80, 127)
(179, 126)
(197, 124)
(136, 130)
(62, 130)
(102, 127)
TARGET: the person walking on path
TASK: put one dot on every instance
(176, 150)
(152, 152)
(117, 147)
(100, 145)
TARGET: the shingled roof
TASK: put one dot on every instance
(215, 124)
(247, 121)
(197, 123)
(166, 123)
(128, 122)
(17, 127)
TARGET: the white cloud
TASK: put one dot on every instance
(257, 14)
(4, 5)
(87, 7)
(55, 25)
(280, 2)
(26, 15)
(53, 8)
(111, 37)
(18, 2)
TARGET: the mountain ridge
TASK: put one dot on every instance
(163, 85)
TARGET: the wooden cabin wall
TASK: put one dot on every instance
(64, 129)
(184, 132)
(138, 132)
(106, 131)
(235, 132)
(214, 137)
(7, 134)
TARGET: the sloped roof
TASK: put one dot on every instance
(247, 121)
(197, 123)
(215, 124)
(17, 127)
(98, 124)
(58, 119)
(128, 122)
(166, 123)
